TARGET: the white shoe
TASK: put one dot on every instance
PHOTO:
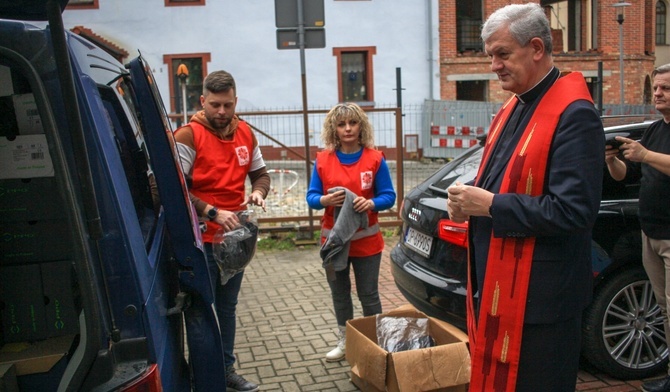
(336, 354)
(339, 352)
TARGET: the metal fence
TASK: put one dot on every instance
(416, 144)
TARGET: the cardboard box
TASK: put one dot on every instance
(59, 308)
(35, 241)
(30, 200)
(22, 309)
(25, 156)
(444, 367)
(6, 84)
(37, 357)
(27, 116)
(8, 381)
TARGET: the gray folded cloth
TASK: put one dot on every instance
(335, 251)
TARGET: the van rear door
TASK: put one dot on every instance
(204, 341)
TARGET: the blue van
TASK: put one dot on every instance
(103, 279)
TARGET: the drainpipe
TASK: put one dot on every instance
(429, 24)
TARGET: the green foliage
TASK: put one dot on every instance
(277, 242)
(287, 240)
(388, 232)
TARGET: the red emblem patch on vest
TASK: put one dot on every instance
(366, 180)
(242, 155)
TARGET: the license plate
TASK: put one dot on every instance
(418, 241)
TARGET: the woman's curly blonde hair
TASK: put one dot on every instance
(344, 112)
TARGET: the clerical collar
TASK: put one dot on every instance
(541, 86)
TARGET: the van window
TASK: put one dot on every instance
(134, 155)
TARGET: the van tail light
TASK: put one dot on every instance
(452, 232)
(149, 382)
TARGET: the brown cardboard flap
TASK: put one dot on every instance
(38, 357)
(366, 358)
(432, 368)
(453, 334)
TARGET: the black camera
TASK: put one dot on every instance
(614, 143)
(611, 139)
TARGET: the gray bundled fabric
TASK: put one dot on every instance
(335, 251)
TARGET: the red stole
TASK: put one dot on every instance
(495, 338)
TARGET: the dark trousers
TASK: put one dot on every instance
(225, 301)
(366, 274)
(550, 356)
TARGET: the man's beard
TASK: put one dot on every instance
(218, 123)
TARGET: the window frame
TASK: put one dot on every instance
(468, 26)
(661, 33)
(183, 3)
(167, 60)
(369, 52)
(94, 5)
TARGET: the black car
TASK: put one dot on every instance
(623, 327)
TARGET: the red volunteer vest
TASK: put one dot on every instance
(220, 169)
(495, 338)
(359, 178)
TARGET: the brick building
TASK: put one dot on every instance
(586, 32)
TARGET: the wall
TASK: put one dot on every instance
(241, 37)
(638, 60)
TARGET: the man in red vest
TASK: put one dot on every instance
(531, 209)
(218, 151)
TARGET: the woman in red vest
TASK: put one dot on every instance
(360, 183)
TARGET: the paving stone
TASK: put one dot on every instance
(286, 325)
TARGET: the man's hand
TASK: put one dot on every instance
(466, 200)
(611, 153)
(227, 219)
(255, 198)
(455, 213)
(632, 150)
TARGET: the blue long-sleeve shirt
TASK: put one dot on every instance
(384, 193)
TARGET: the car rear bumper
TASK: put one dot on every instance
(434, 295)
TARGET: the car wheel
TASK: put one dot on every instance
(623, 328)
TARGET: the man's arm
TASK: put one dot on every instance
(636, 152)
(186, 150)
(259, 177)
(615, 166)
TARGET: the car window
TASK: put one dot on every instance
(134, 156)
(462, 169)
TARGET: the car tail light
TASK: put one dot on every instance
(149, 382)
(452, 232)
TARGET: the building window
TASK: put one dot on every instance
(355, 76)
(180, 3)
(594, 88)
(82, 4)
(661, 15)
(469, 22)
(471, 90)
(197, 70)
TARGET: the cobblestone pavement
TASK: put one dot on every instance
(286, 325)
